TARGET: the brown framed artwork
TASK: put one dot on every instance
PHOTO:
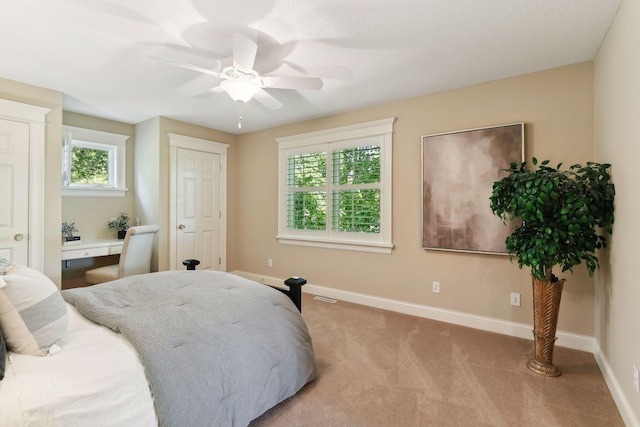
(458, 172)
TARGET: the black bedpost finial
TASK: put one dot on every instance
(295, 290)
(190, 263)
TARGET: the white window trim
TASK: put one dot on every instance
(118, 146)
(339, 136)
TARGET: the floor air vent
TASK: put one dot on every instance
(325, 299)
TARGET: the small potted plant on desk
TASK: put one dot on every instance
(67, 234)
(565, 215)
(121, 223)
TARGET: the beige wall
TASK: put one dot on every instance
(556, 105)
(19, 92)
(147, 182)
(617, 111)
(557, 108)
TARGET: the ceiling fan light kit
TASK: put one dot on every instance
(239, 89)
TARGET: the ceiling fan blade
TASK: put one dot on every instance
(304, 83)
(267, 100)
(208, 93)
(186, 65)
(244, 52)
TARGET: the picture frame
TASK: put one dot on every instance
(458, 172)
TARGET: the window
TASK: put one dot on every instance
(93, 163)
(335, 188)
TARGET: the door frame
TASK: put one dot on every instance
(35, 117)
(196, 144)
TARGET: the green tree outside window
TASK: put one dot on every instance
(89, 166)
(355, 205)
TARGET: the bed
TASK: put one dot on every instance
(180, 348)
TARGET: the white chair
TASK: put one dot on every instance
(134, 259)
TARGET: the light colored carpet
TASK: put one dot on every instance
(380, 368)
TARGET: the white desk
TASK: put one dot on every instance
(92, 249)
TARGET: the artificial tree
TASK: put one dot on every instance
(565, 216)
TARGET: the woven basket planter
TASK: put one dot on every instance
(546, 305)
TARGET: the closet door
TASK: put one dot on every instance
(14, 187)
(197, 202)
(22, 135)
(198, 207)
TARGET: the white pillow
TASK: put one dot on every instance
(33, 314)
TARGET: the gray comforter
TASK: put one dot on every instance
(218, 349)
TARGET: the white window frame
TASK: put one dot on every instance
(115, 144)
(379, 132)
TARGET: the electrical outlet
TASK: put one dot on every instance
(515, 299)
(270, 262)
(436, 287)
(636, 385)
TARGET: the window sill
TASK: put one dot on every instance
(94, 192)
(378, 248)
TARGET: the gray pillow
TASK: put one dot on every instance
(33, 314)
(3, 356)
(4, 265)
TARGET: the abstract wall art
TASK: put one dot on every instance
(458, 172)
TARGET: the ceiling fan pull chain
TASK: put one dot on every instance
(240, 114)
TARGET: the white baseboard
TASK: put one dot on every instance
(520, 330)
(624, 407)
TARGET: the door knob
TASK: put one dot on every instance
(181, 226)
(18, 236)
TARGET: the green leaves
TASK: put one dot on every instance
(342, 180)
(120, 223)
(90, 166)
(68, 229)
(560, 210)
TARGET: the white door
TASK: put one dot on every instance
(14, 187)
(198, 208)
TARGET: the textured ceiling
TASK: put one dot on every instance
(367, 52)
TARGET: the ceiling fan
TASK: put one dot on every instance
(241, 81)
